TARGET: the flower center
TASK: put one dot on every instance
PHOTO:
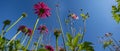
(49, 48)
(43, 28)
(42, 10)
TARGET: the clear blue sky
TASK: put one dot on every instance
(98, 24)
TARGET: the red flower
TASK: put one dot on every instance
(43, 29)
(74, 16)
(42, 10)
(29, 32)
(50, 48)
(23, 29)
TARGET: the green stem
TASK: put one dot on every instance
(12, 25)
(13, 37)
(61, 28)
(2, 33)
(32, 33)
(4, 27)
(21, 37)
(40, 38)
(83, 31)
(24, 39)
(56, 43)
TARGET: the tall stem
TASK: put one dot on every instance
(24, 39)
(2, 31)
(56, 43)
(32, 33)
(84, 22)
(13, 37)
(12, 25)
(40, 38)
(21, 37)
(61, 27)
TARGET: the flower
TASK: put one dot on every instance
(74, 16)
(7, 22)
(43, 29)
(50, 48)
(108, 34)
(23, 28)
(29, 32)
(24, 14)
(57, 32)
(42, 10)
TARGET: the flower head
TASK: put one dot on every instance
(42, 10)
(57, 32)
(24, 14)
(29, 32)
(7, 22)
(50, 48)
(74, 16)
(108, 34)
(23, 28)
(43, 29)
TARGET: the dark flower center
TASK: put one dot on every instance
(42, 10)
(49, 48)
(43, 28)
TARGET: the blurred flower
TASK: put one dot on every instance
(108, 34)
(23, 28)
(7, 22)
(42, 10)
(74, 16)
(43, 29)
(29, 32)
(24, 14)
(50, 48)
(57, 32)
(61, 49)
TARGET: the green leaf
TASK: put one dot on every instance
(75, 40)
(86, 46)
(69, 37)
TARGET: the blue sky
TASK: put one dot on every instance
(98, 24)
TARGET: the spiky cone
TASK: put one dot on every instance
(22, 16)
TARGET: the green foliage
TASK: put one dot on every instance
(43, 49)
(116, 11)
(73, 43)
(86, 46)
(107, 43)
(84, 16)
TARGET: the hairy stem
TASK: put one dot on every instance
(32, 33)
(13, 37)
(61, 27)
